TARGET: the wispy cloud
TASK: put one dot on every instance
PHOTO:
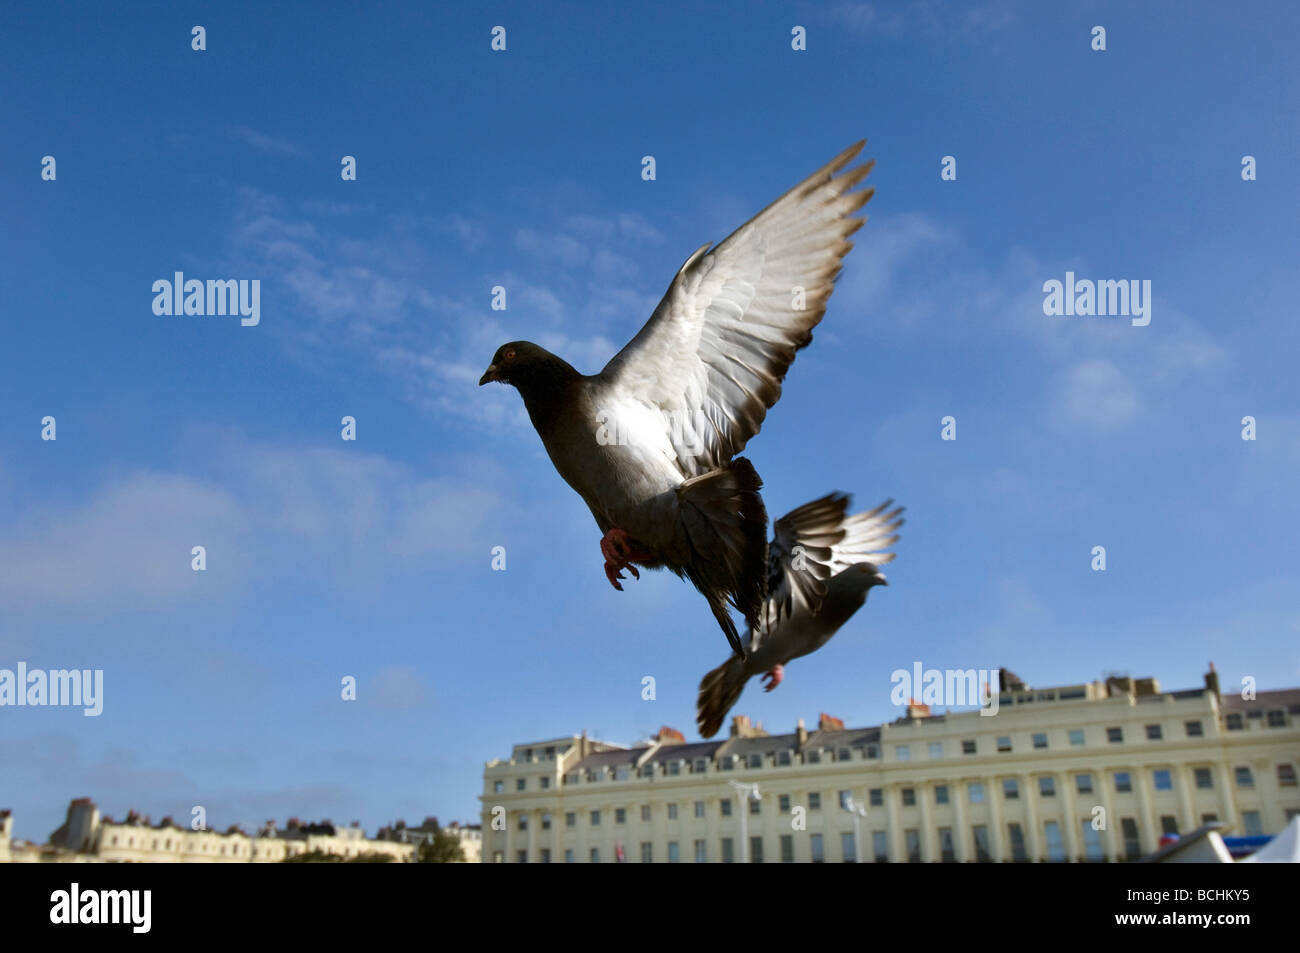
(263, 142)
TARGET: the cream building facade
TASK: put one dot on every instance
(86, 836)
(1096, 772)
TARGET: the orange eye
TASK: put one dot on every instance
(510, 355)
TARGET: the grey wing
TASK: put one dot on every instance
(713, 355)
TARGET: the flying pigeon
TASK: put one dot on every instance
(820, 566)
(651, 442)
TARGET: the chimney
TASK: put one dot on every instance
(670, 736)
(742, 727)
(829, 723)
(802, 732)
(1212, 682)
(916, 709)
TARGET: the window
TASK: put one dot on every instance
(876, 797)
(756, 760)
(647, 852)
(783, 758)
(546, 784)
(912, 837)
(815, 841)
(1162, 779)
(1204, 780)
(647, 771)
(498, 787)
(848, 848)
(570, 819)
(727, 763)
(523, 822)
(1286, 775)
(620, 815)
(902, 753)
(1154, 733)
(968, 746)
(909, 797)
(1018, 853)
(701, 852)
(1277, 718)
(699, 808)
(546, 855)
(1132, 844)
(812, 757)
(1234, 721)
(1076, 737)
(843, 754)
(674, 768)
(546, 821)
(756, 850)
(1055, 849)
(982, 853)
(595, 818)
(1040, 740)
(726, 807)
(1168, 824)
(728, 853)
(783, 803)
(1091, 842)
(755, 807)
(521, 784)
(521, 857)
(1244, 778)
(947, 851)
(1004, 742)
(1194, 729)
(645, 812)
(941, 794)
(787, 848)
(1083, 783)
(1115, 735)
(701, 765)
(845, 797)
(873, 752)
(936, 750)
(1047, 787)
(1123, 782)
(1010, 789)
(672, 812)
(595, 855)
(976, 791)
(1250, 821)
(815, 801)
(568, 856)
(673, 852)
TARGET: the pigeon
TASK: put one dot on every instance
(821, 565)
(651, 442)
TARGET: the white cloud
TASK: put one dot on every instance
(262, 512)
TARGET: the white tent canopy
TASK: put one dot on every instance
(1282, 849)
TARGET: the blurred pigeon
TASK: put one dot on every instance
(650, 442)
(820, 566)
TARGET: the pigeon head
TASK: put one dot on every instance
(525, 365)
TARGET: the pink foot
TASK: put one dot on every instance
(619, 550)
(776, 673)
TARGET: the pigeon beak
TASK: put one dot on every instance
(489, 375)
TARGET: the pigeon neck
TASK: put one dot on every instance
(548, 392)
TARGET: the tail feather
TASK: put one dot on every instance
(725, 524)
(719, 691)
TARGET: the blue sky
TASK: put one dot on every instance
(372, 558)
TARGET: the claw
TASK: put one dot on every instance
(616, 547)
(776, 674)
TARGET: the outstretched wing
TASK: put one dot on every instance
(817, 541)
(712, 356)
